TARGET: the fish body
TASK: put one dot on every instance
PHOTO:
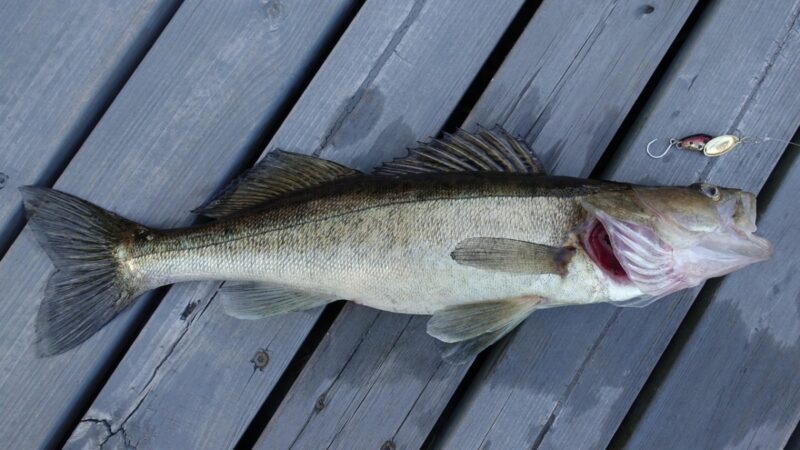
(387, 243)
(467, 229)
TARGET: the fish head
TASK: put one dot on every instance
(664, 239)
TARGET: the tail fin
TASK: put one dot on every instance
(89, 287)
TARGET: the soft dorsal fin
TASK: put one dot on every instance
(279, 173)
(485, 151)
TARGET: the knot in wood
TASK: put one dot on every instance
(260, 359)
(319, 405)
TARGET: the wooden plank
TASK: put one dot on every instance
(185, 121)
(735, 378)
(384, 85)
(569, 376)
(574, 74)
(61, 64)
(363, 388)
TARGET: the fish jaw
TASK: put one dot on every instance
(660, 257)
(729, 253)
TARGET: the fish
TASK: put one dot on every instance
(468, 229)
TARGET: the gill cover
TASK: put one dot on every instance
(646, 259)
(672, 238)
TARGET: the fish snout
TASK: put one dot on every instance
(744, 216)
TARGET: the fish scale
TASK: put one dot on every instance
(378, 241)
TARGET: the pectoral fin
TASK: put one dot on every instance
(473, 327)
(246, 300)
(509, 255)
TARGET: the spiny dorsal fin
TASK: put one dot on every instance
(485, 151)
(513, 256)
(279, 173)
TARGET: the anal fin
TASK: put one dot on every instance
(250, 300)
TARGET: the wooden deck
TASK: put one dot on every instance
(148, 107)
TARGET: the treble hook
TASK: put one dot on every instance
(672, 143)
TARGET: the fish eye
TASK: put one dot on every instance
(709, 190)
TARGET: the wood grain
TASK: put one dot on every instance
(61, 63)
(734, 379)
(183, 123)
(192, 382)
(574, 73)
(568, 377)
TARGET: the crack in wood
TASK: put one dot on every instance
(416, 400)
(335, 379)
(760, 78)
(110, 433)
(172, 347)
(591, 38)
(354, 100)
(377, 371)
(144, 391)
(767, 67)
(573, 382)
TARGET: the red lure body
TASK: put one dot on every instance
(695, 142)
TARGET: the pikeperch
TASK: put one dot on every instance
(467, 229)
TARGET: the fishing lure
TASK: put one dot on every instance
(710, 146)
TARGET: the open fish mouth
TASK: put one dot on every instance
(632, 253)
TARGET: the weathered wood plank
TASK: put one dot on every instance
(735, 379)
(573, 74)
(363, 388)
(183, 123)
(569, 376)
(384, 85)
(60, 65)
